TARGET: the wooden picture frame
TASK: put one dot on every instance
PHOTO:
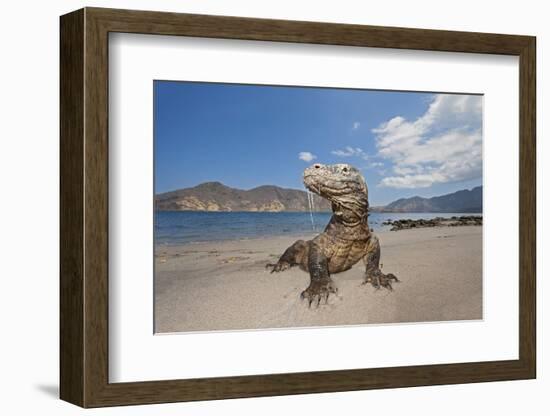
(84, 207)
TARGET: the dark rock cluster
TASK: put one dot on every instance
(435, 222)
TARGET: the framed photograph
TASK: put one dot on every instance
(255, 207)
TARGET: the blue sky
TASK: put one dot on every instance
(245, 136)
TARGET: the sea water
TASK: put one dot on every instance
(180, 227)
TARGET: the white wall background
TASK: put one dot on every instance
(29, 159)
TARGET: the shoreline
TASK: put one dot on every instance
(377, 227)
(223, 285)
(314, 211)
(245, 239)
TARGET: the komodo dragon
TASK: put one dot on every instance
(346, 239)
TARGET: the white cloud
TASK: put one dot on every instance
(356, 125)
(306, 156)
(349, 151)
(442, 145)
(375, 165)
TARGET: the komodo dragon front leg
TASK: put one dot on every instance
(373, 274)
(321, 285)
(295, 255)
(310, 257)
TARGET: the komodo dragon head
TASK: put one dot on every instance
(343, 185)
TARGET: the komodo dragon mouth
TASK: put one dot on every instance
(341, 184)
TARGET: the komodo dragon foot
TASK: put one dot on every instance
(319, 289)
(280, 266)
(379, 279)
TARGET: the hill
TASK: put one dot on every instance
(460, 201)
(215, 196)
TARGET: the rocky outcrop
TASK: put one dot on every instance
(435, 222)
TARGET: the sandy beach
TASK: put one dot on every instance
(225, 286)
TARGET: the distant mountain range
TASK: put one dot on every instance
(461, 201)
(215, 196)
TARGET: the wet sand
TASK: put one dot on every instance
(225, 286)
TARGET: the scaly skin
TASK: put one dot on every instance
(346, 239)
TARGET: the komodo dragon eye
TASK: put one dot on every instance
(345, 170)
